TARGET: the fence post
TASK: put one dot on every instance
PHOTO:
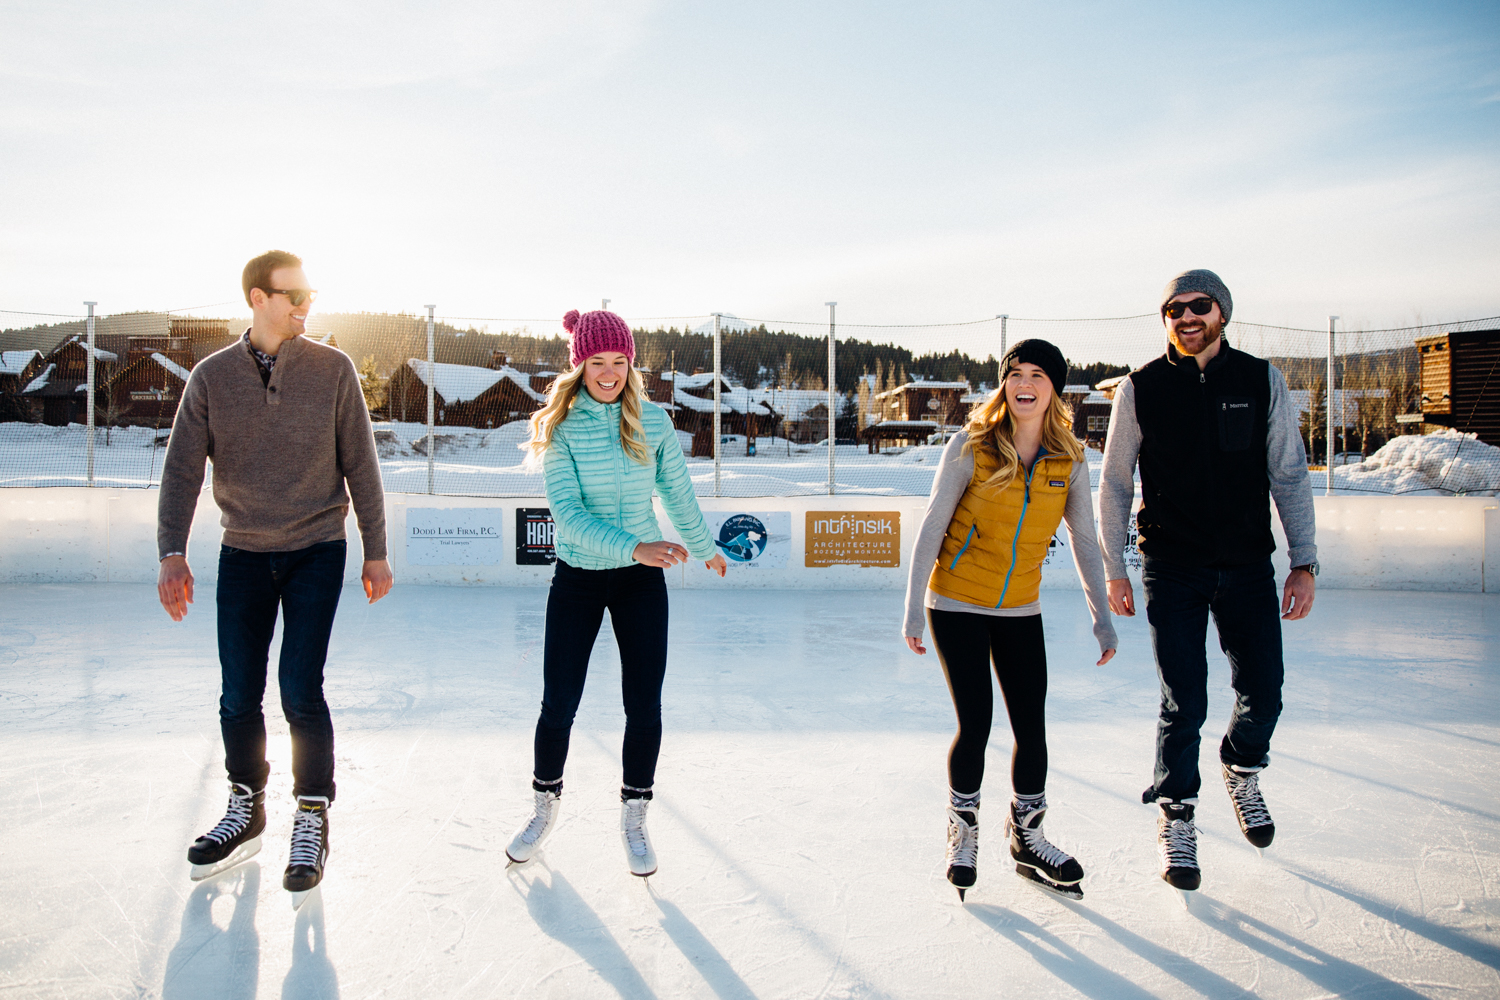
(1328, 488)
(89, 421)
(718, 377)
(831, 391)
(1003, 317)
(431, 377)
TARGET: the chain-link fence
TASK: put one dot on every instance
(762, 407)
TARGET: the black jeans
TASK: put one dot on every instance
(1246, 611)
(636, 597)
(305, 585)
(965, 645)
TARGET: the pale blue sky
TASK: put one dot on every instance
(916, 162)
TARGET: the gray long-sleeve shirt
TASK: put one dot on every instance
(955, 471)
(282, 450)
(1286, 467)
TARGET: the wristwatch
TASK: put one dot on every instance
(1311, 568)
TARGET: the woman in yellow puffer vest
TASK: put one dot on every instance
(1004, 485)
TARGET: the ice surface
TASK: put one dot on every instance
(799, 818)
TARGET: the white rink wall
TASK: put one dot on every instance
(73, 535)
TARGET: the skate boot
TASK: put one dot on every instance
(1037, 858)
(1177, 845)
(235, 839)
(963, 849)
(309, 852)
(1243, 784)
(638, 853)
(528, 839)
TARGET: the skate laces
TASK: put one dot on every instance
(236, 817)
(635, 825)
(1244, 789)
(963, 842)
(307, 838)
(1038, 842)
(540, 818)
(1178, 841)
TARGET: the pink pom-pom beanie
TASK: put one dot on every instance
(596, 332)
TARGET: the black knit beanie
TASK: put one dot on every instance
(1198, 280)
(1041, 353)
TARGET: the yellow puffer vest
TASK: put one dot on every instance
(992, 553)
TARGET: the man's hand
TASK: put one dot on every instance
(1297, 595)
(377, 579)
(1109, 654)
(1121, 599)
(915, 645)
(717, 564)
(662, 555)
(174, 585)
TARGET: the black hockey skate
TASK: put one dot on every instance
(1038, 859)
(1243, 784)
(1177, 845)
(309, 852)
(235, 839)
(963, 849)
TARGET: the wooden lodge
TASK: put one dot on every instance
(463, 395)
(1460, 382)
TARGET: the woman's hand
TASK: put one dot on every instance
(662, 555)
(914, 644)
(717, 563)
(1109, 654)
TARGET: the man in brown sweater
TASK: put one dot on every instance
(284, 422)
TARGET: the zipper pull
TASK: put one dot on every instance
(1201, 379)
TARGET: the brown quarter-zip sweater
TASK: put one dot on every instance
(282, 451)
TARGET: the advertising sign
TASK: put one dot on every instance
(853, 538)
(535, 536)
(453, 536)
(752, 541)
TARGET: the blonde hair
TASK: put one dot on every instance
(560, 396)
(992, 427)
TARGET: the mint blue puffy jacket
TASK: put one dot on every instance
(601, 497)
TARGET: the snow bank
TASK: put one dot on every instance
(1429, 465)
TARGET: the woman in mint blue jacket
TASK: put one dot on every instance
(605, 450)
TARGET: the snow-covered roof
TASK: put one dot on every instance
(974, 397)
(170, 365)
(1076, 390)
(100, 354)
(1110, 383)
(924, 384)
(15, 362)
(1095, 399)
(1345, 402)
(462, 383)
(40, 382)
(897, 425)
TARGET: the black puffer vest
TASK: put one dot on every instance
(1206, 494)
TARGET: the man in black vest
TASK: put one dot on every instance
(1217, 438)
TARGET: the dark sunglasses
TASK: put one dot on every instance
(1174, 310)
(296, 296)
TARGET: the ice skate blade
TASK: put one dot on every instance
(298, 898)
(961, 892)
(1065, 890)
(244, 852)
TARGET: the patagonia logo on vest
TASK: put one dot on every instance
(1057, 482)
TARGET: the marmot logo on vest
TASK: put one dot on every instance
(1057, 482)
(1236, 406)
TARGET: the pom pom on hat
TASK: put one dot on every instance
(596, 332)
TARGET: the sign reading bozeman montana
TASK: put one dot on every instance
(853, 538)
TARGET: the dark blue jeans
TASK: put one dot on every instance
(305, 586)
(636, 597)
(1247, 613)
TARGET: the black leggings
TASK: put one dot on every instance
(965, 644)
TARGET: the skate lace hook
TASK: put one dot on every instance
(539, 818)
(635, 834)
(963, 841)
(236, 818)
(307, 837)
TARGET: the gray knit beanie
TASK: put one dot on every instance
(1198, 280)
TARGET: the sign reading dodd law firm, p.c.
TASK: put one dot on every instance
(453, 536)
(853, 538)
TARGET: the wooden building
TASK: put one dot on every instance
(59, 392)
(145, 389)
(463, 395)
(17, 370)
(1460, 382)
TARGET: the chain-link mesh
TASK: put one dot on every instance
(1414, 409)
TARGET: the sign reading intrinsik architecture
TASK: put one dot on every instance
(454, 536)
(760, 540)
(853, 538)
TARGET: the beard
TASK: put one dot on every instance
(1211, 333)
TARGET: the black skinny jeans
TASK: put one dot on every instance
(965, 645)
(636, 597)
